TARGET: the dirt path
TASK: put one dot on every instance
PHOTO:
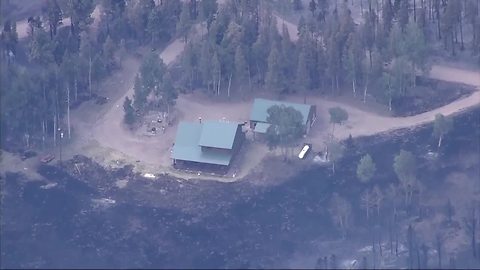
(99, 131)
(363, 123)
(102, 135)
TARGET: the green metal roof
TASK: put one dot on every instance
(261, 127)
(260, 107)
(187, 145)
(218, 134)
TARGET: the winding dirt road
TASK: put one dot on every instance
(105, 138)
(362, 123)
(103, 134)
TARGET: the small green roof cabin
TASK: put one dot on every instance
(259, 114)
(210, 145)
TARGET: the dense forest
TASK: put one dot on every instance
(243, 49)
(57, 66)
(240, 48)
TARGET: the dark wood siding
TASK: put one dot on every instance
(239, 138)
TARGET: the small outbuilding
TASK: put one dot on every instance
(259, 114)
(207, 146)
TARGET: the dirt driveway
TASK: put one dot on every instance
(102, 135)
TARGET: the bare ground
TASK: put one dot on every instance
(100, 133)
(108, 132)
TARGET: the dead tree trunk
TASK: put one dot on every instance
(90, 74)
(437, 13)
(249, 78)
(396, 237)
(229, 84)
(55, 129)
(462, 47)
(414, 11)
(410, 246)
(354, 89)
(75, 85)
(424, 256)
(380, 242)
(68, 112)
(219, 82)
(365, 90)
(438, 243)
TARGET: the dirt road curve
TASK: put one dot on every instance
(105, 128)
(109, 130)
(364, 123)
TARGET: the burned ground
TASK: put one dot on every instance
(168, 222)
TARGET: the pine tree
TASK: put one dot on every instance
(366, 168)
(471, 15)
(208, 8)
(302, 27)
(80, 15)
(323, 6)
(241, 67)
(129, 117)
(205, 64)
(354, 55)
(335, 152)
(153, 28)
(415, 48)
(41, 48)
(302, 76)
(400, 73)
(449, 24)
(9, 37)
(140, 20)
(391, 92)
(216, 73)
(405, 168)
(184, 23)
(403, 14)
(273, 79)
(288, 54)
(441, 127)
(190, 64)
(333, 61)
(396, 42)
(169, 93)
(337, 116)
(260, 50)
(109, 53)
(341, 211)
(54, 16)
(140, 94)
(312, 6)
(368, 32)
(387, 15)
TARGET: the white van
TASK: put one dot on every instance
(304, 151)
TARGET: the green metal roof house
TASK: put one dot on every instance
(209, 143)
(258, 115)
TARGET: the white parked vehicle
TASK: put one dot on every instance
(149, 175)
(304, 151)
